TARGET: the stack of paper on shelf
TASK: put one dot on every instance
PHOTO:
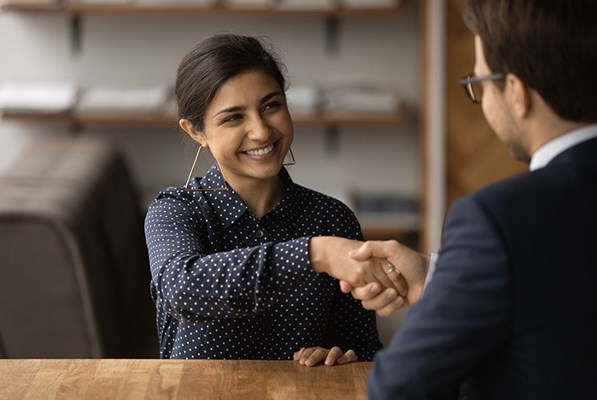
(303, 100)
(307, 4)
(360, 99)
(171, 107)
(387, 210)
(30, 2)
(104, 1)
(119, 100)
(369, 3)
(249, 3)
(37, 97)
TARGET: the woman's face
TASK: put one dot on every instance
(248, 128)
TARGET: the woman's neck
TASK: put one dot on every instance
(261, 196)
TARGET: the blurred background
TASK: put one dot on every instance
(380, 123)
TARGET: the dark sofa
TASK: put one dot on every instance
(74, 275)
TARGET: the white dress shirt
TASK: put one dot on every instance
(544, 154)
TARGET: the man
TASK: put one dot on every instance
(511, 309)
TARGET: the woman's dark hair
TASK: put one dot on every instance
(215, 60)
(551, 45)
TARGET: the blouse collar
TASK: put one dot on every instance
(227, 204)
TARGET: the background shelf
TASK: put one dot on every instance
(220, 10)
(166, 119)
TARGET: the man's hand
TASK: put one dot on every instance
(385, 302)
(409, 264)
(332, 255)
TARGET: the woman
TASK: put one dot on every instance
(236, 255)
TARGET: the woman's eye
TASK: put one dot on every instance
(273, 105)
(231, 118)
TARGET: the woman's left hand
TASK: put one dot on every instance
(311, 356)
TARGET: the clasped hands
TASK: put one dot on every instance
(384, 275)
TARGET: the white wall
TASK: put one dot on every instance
(145, 50)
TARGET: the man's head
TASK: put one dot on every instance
(548, 48)
(551, 45)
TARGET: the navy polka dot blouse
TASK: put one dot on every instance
(228, 285)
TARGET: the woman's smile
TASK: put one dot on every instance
(260, 152)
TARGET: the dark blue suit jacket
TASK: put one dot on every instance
(511, 312)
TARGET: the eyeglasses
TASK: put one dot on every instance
(472, 85)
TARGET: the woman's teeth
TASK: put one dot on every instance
(260, 152)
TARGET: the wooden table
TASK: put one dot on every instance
(91, 379)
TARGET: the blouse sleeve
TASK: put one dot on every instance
(351, 326)
(196, 286)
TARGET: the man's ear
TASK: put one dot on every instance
(520, 95)
(197, 136)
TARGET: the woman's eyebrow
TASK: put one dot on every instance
(270, 95)
(229, 110)
(240, 108)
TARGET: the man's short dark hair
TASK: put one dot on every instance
(551, 45)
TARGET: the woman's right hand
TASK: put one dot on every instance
(331, 254)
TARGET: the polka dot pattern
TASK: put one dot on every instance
(228, 285)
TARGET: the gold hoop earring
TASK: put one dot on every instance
(292, 160)
(186, 186)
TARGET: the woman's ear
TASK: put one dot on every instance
(520, 95)
(197, 136)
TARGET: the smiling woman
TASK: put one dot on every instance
(248, 129)
(236, 256)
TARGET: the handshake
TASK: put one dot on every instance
(384, 275)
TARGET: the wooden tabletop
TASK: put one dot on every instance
(178, 379)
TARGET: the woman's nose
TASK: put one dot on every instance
(259, 129)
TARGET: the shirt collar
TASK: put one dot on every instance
(225, 203)
(544, 154)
